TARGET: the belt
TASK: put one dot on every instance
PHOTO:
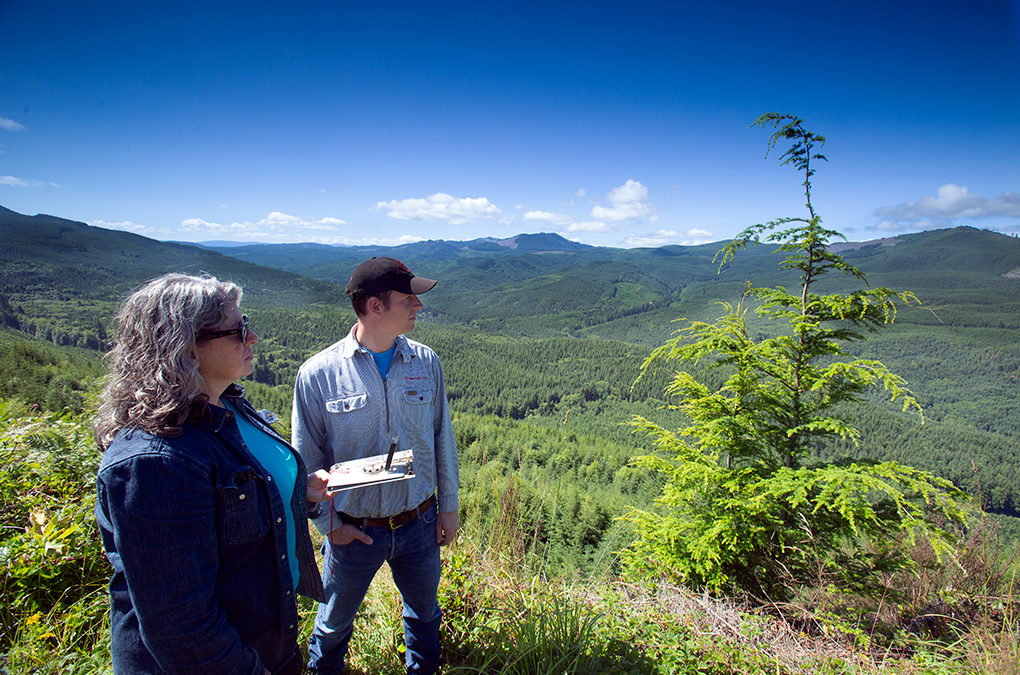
(392, 522)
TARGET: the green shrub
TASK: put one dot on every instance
(53, 572)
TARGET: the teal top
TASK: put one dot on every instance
(276, 458)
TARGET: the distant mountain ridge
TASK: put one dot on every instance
(528, 285)
(52, 255)
(60, 280)
(541, 242)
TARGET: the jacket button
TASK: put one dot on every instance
(279, 520)
(241, 497)
(269, 478)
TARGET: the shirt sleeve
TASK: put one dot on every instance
(161, 513)
(309, 436)
(447, 463)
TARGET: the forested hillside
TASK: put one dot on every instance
(61, 280)
(959, 351)
(544, 331)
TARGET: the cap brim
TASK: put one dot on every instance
(420, 285)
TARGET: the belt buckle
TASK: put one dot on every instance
(390, 519)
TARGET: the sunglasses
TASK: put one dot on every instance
(242, 331)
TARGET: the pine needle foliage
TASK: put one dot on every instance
(745, 505)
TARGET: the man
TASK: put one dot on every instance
(352, 400)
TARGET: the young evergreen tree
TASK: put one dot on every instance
(745, 506)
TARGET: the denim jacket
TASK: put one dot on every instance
(195, 531)
(343, 409)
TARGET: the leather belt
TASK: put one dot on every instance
(392, 522)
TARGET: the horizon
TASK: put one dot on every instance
(621, 127)
(226, 243)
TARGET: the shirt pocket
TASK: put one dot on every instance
(346, 403)
(416, 407)
(245, 506)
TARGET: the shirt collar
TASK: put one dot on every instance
(350, 346)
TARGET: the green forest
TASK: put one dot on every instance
(543, 346)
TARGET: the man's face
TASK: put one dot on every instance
(399, 312)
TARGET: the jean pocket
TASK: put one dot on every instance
(429, 515)
(245, 508)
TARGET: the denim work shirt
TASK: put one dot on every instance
(195, 531)
(343, 409)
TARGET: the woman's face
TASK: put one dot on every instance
(224, 359)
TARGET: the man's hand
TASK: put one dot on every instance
(446, 527)
(347, 533)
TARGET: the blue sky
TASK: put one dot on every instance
(611, 123)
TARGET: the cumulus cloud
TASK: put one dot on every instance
(14, 181)
(953, 202)
(886, 225)
(276, 227)
(441, 206)
(580, 193)
(591, 226)
(10, 125)
(628, 201)
(631, 191)
(621, 212)
(691, 237)
(547, 216)
(124, 225)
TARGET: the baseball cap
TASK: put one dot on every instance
(380, 274)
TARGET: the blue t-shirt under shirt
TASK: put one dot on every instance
(278, 460)
(383, 359)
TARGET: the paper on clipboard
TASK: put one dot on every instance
(357, 473)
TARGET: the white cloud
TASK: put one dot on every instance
(10, 125)
(441, 206)
(886, 225)
(631, 191)
(691, 237)
(124, 225)
(629, 201)
(276, 226)
(580, 193)
(547, 216)
(14, 181)
(621, 211)
(954, 201)
(591, 226)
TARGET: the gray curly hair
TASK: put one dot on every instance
(154, 383)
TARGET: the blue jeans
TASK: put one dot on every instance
(413, 556)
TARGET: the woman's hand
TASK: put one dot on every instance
(316, 491)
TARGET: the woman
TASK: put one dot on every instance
(201, 505)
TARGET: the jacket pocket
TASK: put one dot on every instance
(245, 506)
